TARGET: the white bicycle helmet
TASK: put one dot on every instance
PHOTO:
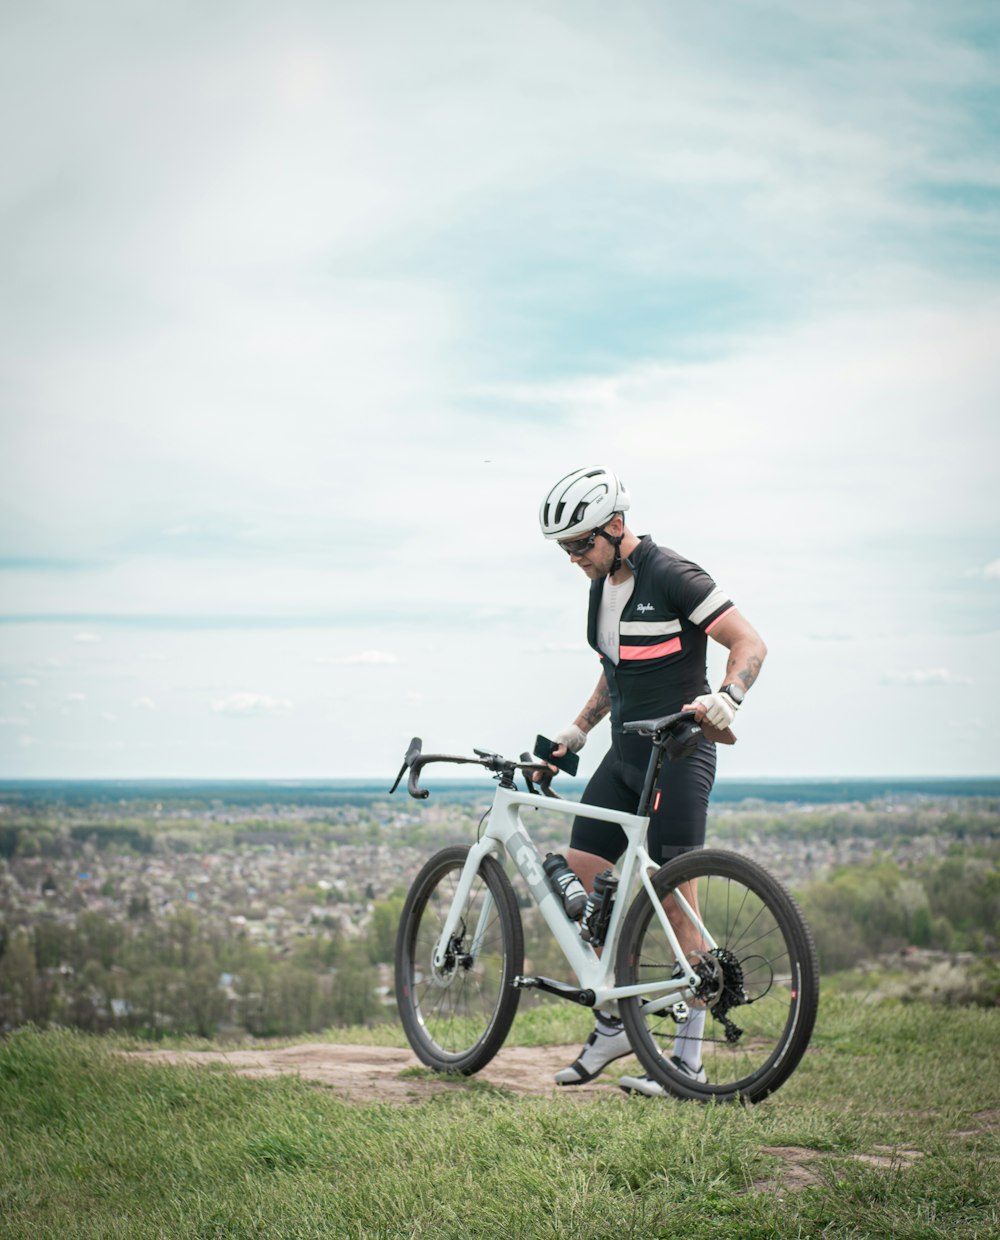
(582, 501)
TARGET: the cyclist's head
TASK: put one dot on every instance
(582, 502)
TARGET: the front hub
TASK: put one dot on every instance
(455, 959)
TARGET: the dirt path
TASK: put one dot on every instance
(386, 1074)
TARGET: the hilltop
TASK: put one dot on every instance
(883, 1130)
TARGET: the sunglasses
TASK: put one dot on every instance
(580, 546)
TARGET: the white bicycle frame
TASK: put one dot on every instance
(506, 831)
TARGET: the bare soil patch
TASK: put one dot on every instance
(986, 1121)
(363, 1074)
(802, 1166)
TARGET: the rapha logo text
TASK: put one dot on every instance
(645, 607)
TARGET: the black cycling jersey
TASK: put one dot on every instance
(661, 667)
(661, 661)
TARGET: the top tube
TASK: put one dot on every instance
(673, 737)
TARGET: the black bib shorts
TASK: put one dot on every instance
(677, 822)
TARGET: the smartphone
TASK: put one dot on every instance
(568, 762)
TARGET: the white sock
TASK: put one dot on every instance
(607, 1023)
(687, 1045)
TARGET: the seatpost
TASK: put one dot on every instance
(652, 774)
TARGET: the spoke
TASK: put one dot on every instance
(745, 947)
(733, 921)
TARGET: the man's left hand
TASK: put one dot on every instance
(718, 708)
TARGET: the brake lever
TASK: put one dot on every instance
(542, 785)
(418, 793)
(412, 752)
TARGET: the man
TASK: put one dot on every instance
(651, 613)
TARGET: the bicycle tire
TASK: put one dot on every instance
(456, 1018)
(764, 991)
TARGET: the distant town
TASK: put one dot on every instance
(273, 882)
(276, 893)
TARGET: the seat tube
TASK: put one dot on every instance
(652, 774)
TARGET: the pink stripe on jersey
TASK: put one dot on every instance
(718, 618)
(650, 652)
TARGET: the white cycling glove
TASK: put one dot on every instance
(573, 738)
(720, 709)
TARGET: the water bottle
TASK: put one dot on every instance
(597, 912)
(565, 884)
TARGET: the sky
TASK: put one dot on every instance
(305, 307)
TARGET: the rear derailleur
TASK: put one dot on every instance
(722, 987)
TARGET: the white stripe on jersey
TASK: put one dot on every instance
(708, 605)
(613, 600)
(649, 628)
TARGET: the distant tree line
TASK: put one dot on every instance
(967, 818)
(39, 831)
(181, 974)
(950, 905)
(47, 835)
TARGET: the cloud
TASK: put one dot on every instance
(251, 704)
(692, 140)
(366, 658)
(144, 703)
(991, 571)
(75, 698)
(86, 638)
(930, 677)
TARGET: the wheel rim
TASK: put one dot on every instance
(753, 979)
(455, 1006)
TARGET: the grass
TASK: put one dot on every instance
(92, 1145)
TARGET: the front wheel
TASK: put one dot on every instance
(456, 1014)
(749, 944)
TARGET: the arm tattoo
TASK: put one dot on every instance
(749, 674)
(598, 706)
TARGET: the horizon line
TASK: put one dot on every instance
(322, 780)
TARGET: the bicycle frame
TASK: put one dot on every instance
(506, 831)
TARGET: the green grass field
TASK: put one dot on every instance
(890, 1128)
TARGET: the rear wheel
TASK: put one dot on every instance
(760, 978)
(457, 1015)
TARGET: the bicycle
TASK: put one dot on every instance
(750, 959)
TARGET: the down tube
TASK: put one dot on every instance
(507, 827)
